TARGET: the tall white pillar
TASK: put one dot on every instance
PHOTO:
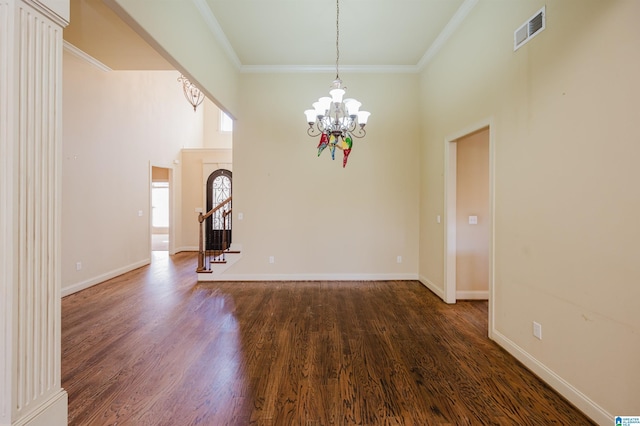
(30, 161)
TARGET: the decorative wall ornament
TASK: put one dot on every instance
(191, 92)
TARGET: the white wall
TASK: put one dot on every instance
(116, 125)
(564, 117)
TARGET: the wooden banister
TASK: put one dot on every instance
(201, 219)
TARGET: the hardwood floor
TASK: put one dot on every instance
(153, 347)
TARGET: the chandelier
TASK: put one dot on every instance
(337, 121)
(191, 92)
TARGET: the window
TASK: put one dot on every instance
(226, 123)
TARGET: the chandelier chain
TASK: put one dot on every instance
(336, 120)
(337, 35)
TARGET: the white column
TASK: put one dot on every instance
(30, 161)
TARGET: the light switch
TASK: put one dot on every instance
(438, 218)
(473, 220)
(240, 216)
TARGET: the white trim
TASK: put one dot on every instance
(487, 122)
(447, 32)
(453, 24)
(359, 69)
(431, 286)
(51, 412)
(56, 11)
(70, 48)
(307, 277)
(564, 388)
(216, 29)
(8, 198)
(74, 288)
(186, 248)
(207, 150)
(450, 222)
(472, 295)
(492, 224)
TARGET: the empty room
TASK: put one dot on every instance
(333, 212)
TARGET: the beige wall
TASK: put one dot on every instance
(116, 126)
(213, 137)
(472, 199)
(564, 117)
(316, 218)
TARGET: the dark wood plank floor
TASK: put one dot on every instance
(153, 347)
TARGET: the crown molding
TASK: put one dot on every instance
(436, 46)
(355, 69)
(216, 29)
(85, 57)
(446, 33)
(58, 11)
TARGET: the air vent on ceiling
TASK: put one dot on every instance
(529, 29)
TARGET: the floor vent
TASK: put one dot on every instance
(529, 29)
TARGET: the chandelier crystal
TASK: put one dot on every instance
(336, 120)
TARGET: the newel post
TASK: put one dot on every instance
(200, 245)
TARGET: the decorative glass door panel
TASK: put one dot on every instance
(218, 190)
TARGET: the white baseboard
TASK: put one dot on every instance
(306, 277)
(564, 388)
(52, 412)
(431, 286)
(185, 248)
(472, 295)
(74, 288)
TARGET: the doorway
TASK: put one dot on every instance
(218, 190)
(469, 215)
(160, 208)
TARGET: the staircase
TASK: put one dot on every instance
(215, 251)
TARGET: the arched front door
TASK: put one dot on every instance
(218, 190)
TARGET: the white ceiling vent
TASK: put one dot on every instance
(529, 29)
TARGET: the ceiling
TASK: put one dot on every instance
(259, 35)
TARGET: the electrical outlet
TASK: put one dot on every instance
(537, 330)
(78, 266)
(399, 259)
(272, 259)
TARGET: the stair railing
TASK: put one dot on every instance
(224, 210)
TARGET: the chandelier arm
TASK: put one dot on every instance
(322, 126)
(311, 131)
(360, 133)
